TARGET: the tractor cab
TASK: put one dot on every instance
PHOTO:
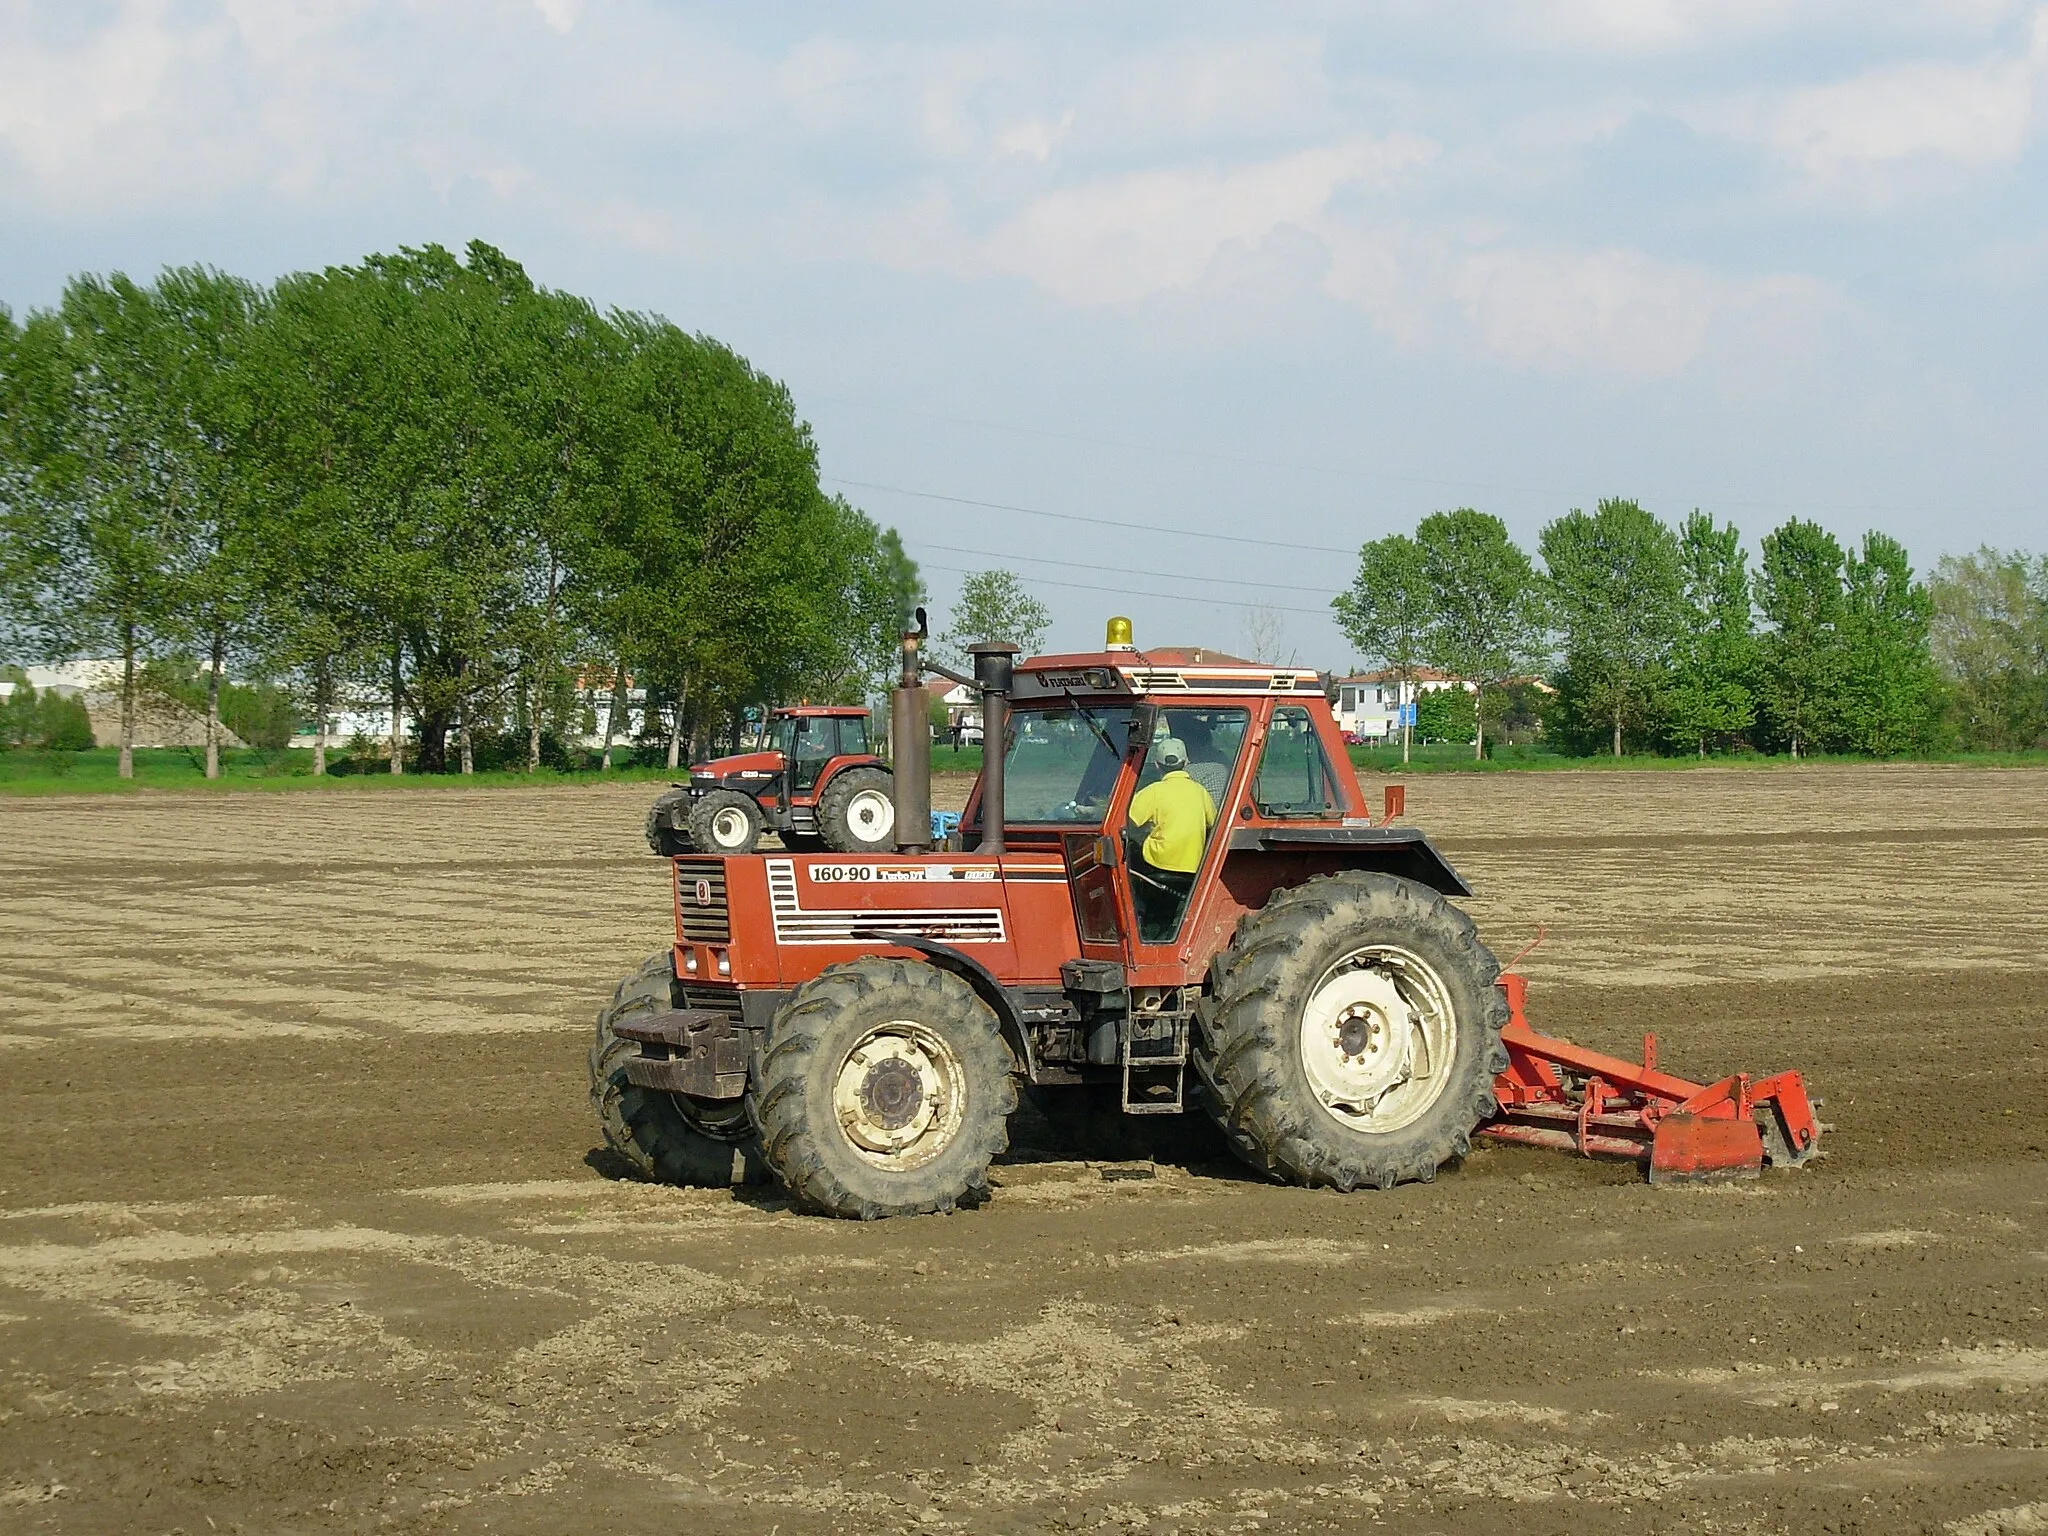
(1103, 749)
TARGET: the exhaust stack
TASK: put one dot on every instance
(993, 662)
(911, 747)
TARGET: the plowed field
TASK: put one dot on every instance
(303, 1225)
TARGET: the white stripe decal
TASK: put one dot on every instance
(793, 925)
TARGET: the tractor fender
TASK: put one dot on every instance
(839, 765)
(976, 975)
(1402, 851)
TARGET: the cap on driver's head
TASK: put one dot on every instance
(1173, 753)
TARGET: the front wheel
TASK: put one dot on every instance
(885, 1090)
(725, 821)
(1354, 1033)
(668, 824)
(660, 1135)
(857, 812)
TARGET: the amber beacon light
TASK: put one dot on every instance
(1120, 634)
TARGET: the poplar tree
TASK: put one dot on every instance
(1713, 665)
(1616, 595)
(1799, 590)
(1487, 613)
(1386, 614)
(1891, 694)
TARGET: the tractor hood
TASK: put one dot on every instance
(742, 765)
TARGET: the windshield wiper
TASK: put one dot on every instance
(1095, 725)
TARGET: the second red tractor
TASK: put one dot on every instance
(814, 783)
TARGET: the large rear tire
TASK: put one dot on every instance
(1353, 1033)
(725, 821)
(884, 1090)
(857, 812)
(711, 1144)
(668, 824)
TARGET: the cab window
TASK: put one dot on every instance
(1294, 773)
(1062, 763)
(853, 735)
(815, 739)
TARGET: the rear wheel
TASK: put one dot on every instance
(668, 824)
(663, 1136)
(1354, 1033)
(857, 812)
(885, 1090)
(725, 821)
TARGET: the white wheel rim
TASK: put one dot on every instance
(871, 815)
(900, 1095)
(1377, 1040)
(729, 827)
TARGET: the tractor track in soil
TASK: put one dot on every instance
(302, 1227)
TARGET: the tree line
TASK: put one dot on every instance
(425, 481)
(1663, 639)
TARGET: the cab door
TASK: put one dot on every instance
(1096, 877)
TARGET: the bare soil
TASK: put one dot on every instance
(304, 1225)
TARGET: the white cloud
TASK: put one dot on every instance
(562, 15)
(1126, 237)
(1897, 127)
(1559, 309)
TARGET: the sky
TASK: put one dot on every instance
(1167, 308)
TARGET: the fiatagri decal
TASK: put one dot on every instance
(887, 874)
(797, 924)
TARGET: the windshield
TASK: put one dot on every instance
(1058, 769)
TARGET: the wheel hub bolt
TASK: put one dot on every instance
(892, 1092)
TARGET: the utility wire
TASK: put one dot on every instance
(1184, 597)
(1099, 522)
(1226, 581)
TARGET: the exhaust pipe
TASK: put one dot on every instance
(993, 662)
(911, 748)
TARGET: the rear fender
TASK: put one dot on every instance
(832, 770)
(1292, 854)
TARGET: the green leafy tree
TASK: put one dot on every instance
(993, 605)
(1891, 699)
(1799, 590)
(202, 319)
(119, 485)
(1616, 594)
(1488, 616)
(1447, 714)
(1711, 695)
(1990, 641)
(1387, 612)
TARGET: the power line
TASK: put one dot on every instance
(1099, 522)
(1225, 581)
(1182, 597)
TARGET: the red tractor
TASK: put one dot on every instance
(858, 1026)
(816, 786)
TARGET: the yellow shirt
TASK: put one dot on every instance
(1181, 813)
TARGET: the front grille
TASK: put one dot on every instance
(725, 1000)
(700, 901)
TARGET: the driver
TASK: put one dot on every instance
(1179, 813)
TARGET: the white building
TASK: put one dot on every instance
(1369, 705)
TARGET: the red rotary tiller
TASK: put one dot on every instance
(1565, 1098)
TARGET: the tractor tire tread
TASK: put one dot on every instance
(794, 1140)
(834, 827)
(646, 1129)
(1257, 987)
